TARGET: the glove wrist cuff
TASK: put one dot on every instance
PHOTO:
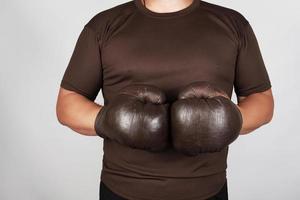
(99, 122)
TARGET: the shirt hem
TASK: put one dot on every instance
(66, 85)
(261, 88)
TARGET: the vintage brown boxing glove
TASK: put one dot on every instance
(136, 117)
(203, 119)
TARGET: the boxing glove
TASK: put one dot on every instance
(203, 119)
(137, 117)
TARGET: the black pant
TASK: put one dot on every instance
(107, 194)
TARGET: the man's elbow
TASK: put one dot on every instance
(268, 105)
(62, 106)
(62, 112)
(60, 116)
(269, 116)
(268, 119)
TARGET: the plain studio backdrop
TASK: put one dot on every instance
(41, 159)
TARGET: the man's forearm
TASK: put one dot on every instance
(257, 110)
(77, 112)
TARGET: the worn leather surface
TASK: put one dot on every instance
(203, 119)
(137, 117)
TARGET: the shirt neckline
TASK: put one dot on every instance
(178, 13)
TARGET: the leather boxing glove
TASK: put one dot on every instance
(203, 119)
(137, 117)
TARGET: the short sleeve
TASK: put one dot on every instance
(84, 71)
(251, 75)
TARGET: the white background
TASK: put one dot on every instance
(41, 159)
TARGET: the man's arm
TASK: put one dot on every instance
(257, 110)
(77, 112)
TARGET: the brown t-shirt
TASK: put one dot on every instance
(130, 44)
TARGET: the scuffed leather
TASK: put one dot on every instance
(137, 117)
(203, 119)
